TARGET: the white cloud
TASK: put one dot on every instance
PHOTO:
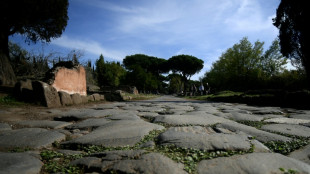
(249, 16)
(88, 46)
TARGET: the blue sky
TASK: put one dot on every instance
(161, 28)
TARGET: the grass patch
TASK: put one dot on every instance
(190, 157)
(129, 96)
(10, 101)
(256, 124)
(286, 147)
(55, 162)
(222, 94)
(226, 94)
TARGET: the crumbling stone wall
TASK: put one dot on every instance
(68, 78)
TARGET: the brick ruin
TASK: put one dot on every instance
(68, 78)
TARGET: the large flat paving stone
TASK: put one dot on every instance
(302, 154)
(5, 127)
(148, 114)
(89, 123)
(198, 137)
(254, 163)
(44, 124)
(290, 129)
(118, 133)
(302, 114)
(82, 114)
(130, 161)
(203, 119)
(244, 116)
(149, 163)
(23, 163)
(287, 120)
(29, 138)
(260, 135)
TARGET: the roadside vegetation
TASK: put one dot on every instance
(140, 96)
(11, 101)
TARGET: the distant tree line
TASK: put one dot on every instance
(147, 73)
(247, 66)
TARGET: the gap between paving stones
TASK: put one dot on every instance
(296, 142)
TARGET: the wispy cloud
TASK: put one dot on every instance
(88, 46)
(249, 17)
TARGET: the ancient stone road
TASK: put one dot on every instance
(163, 135)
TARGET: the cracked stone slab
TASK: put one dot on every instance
(260, 135)
(117, 133)
(23, 163)
(124, 116)
(130, 161)
(290, 129)
(148, 114)
(151, 109)
(119, 155)
(44, 124)
(82, 114)
(89, 123)
(244, 117)
(29, 138)
(203, 119)
(286, 120)
(198, 137)
(261, 110)
(256, 163)
(149, 163)
(5, 127)
(305, 124)
(302, 154)
(304, 116)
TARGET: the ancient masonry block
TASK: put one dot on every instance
(70, 80)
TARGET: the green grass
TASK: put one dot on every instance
(139, 96)
(286, 147)
(219, 94)
(10, 101)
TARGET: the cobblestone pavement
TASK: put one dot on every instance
(162, 135)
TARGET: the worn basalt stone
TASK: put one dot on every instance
(96, 97)
(76, 99)
(65, 98)
(23, 90)
(22, 163)
(46, 94)
(35, 138)
(258, 163)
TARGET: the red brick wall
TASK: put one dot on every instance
(71, 80)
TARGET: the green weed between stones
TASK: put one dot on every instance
(10, 101)
(286, 147)
(288, 171)
(256, 124)
(55, 162)
(190, 157)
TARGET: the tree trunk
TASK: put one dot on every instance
(306, 64)
(7, 76)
